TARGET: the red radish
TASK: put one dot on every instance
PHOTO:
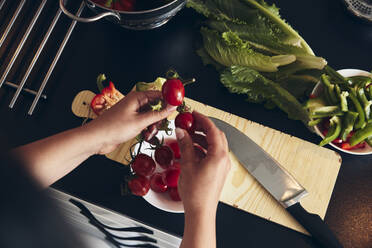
(176, 165)
(173, 193)
(175, 148)
(185, 121)
(171, 177)
(139, 185)
(143, 165)
(149, 133)
(173, 91)
(164, 156)
(157, 183)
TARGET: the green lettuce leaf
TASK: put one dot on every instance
(249, 12)
(279, 24)
(258, 53)
(208, 60)
(228, 49)
(232, 10)
(257, 36)
(272, 8)
(244, 80)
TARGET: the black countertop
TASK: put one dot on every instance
(129, 56)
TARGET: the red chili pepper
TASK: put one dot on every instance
(346, 146)
(337, 141)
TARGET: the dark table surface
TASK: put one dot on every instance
(130, 56)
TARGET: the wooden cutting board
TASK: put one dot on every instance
(316, 168)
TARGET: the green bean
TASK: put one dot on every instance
(326, 96)
(348, 123)
(361, 122)
(360, 81)
(332, 94)
(333, 131)
(325, 111)
(366, 104)
(325, 80)
(339, 79)
(369, 90)
(338, 90)
(314, 122)
(343, 101)
(330, 88)
(361, 135)
(369, 141)
(326, 84)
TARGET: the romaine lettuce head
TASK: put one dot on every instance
(244, 80)
(228, 49)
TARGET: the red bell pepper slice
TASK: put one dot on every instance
(108, 97)
(346, 146)
(98, 104)
(337, 141)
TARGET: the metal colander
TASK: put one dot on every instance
(360, 8)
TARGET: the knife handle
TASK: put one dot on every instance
(315, 226)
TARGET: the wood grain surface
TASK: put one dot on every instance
(316, 168)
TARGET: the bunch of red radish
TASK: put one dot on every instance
(167, 154)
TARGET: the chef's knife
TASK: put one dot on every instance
(277, 181)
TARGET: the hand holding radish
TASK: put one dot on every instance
(202, 179)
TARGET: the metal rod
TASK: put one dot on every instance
(21, 44)
(12, 21)
(2, 4)
(36, 57)
(56, 58)
(32, 92)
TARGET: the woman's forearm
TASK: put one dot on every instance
(200, 230)
(52, 158)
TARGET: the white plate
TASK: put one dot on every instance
(161, 200)
(317, 90)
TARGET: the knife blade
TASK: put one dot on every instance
(277, 181)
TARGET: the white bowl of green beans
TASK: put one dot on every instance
(341, 110)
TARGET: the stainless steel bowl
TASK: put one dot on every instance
(138, 20)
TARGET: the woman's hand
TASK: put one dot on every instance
(124, 120)
(201, 180)
(51, 158)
